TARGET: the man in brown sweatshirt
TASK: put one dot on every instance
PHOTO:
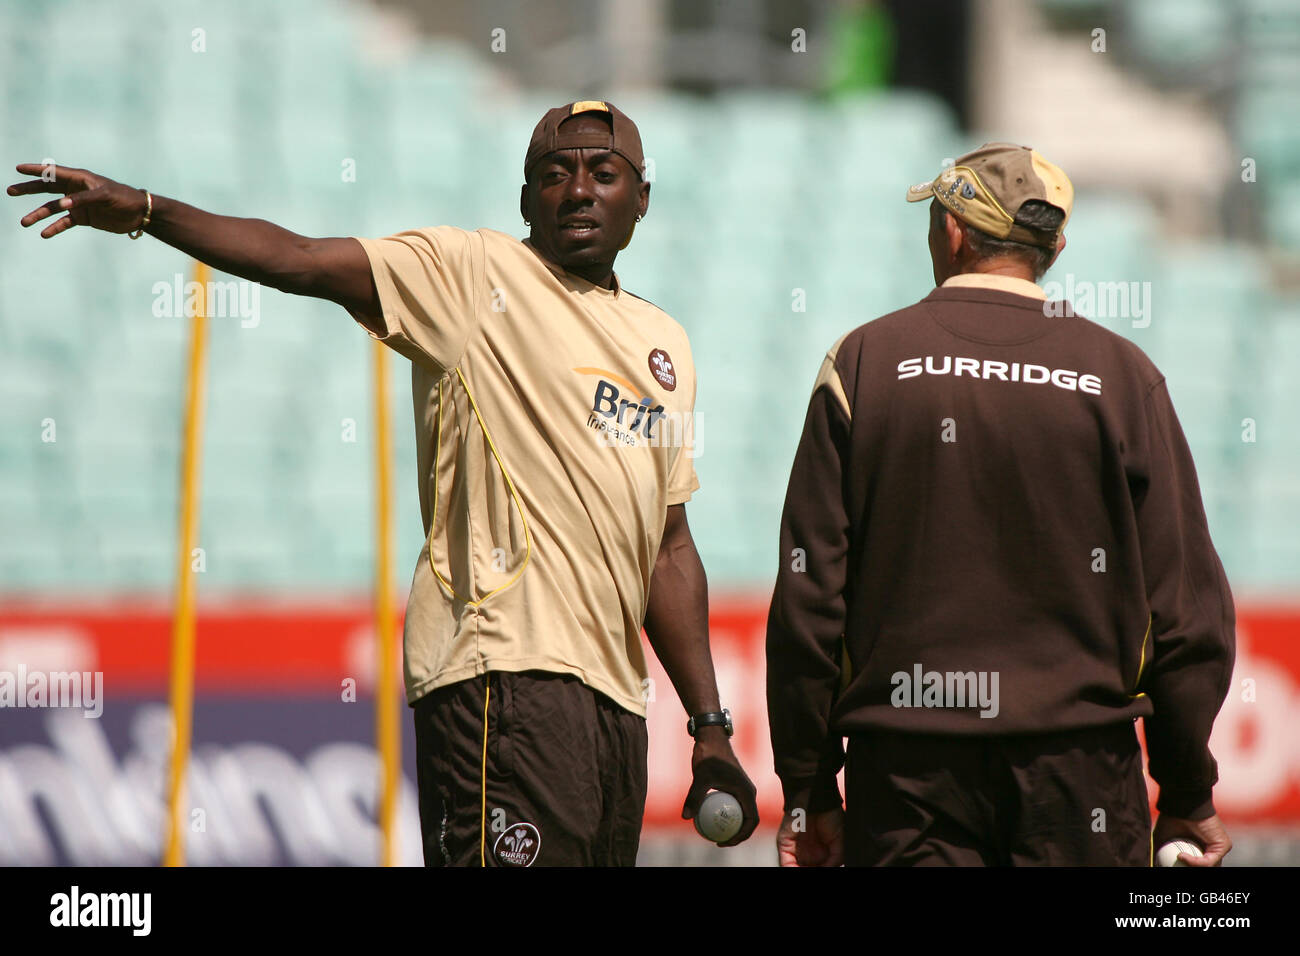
(994, 559)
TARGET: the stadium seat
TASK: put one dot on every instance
(1179, 35)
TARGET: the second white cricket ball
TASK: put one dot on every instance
(1167, 855)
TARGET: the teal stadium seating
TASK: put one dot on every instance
(777, 224)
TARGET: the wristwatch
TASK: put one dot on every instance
(712, 719)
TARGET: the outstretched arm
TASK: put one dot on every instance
(677, 623)
(253, 249)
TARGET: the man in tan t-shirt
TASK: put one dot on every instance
(553, 414)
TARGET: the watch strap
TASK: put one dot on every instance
(714, 718)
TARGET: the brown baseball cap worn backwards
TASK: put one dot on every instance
(986, 188)
(622, 138)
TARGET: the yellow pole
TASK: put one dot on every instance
(387, 704)
(182, 677)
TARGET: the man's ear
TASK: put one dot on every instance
(1060, 245)
(643, 199)
(523, 202)
(955, 234)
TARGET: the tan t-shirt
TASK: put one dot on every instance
(554, 428)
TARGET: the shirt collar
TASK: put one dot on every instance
(579, 281)
(1001, 283)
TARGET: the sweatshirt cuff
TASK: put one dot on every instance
(813, 794)
(1195, 804)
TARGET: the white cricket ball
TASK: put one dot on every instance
(1167, 855)
(719, 817)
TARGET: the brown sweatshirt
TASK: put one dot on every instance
(993, 526)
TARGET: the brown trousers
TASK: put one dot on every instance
(555, 777)
(1075, 798)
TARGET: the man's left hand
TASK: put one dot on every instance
(714, 767)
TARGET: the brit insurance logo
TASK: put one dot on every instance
(518, 845)
(623, 414)
(620, 419)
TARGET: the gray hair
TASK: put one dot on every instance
(1034, 214)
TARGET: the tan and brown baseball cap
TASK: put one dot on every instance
(986, 187)
(623, 137)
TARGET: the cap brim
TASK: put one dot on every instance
(920, 191)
